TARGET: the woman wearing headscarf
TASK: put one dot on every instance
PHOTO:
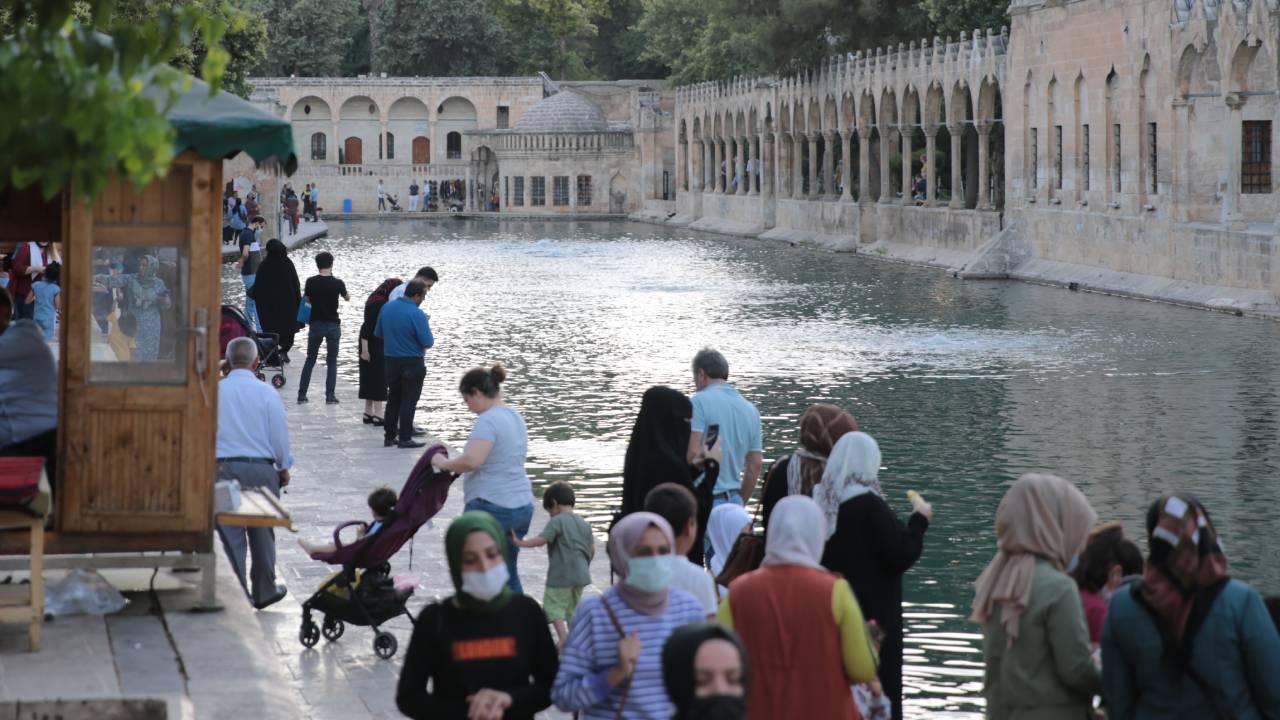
(801, 625)
(1188, 641)
(611, 664)
(869, 546)
(276, 291)
(821, 426)
(705, 671)
(1035, 641)
(656, 454)
(726, 523)
(145, 298)
(487, 652)
(373, 372)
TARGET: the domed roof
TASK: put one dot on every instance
(564, 112)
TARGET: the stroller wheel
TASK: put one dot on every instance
(333, 628)
(277, 381)
(384, 645)
(309, 635)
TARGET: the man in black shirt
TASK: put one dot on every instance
(413, 195)
(322, 292)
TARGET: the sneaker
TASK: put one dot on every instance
(407, 444)
(279, 594)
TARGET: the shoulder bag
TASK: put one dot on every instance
(748, 549)
(626, 688)
(304, 312)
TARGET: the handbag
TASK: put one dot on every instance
(748, 550)
(304, 312)
(626, 689)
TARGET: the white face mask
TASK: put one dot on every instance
(487, 585)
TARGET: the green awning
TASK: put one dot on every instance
(222, 125)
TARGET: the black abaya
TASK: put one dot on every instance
(276, 291)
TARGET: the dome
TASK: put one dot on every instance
(564, 112)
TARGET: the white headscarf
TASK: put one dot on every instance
(853, 469)
(723, 528)
(797, 533)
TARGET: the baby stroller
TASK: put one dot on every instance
(362, 593)
(394, 202)
(234, 325)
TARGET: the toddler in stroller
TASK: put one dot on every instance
(363, 592)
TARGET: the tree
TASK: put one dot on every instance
(619, 45)
(438, 37)
(310, 38)
(74, 113)
(567, 29)
(951, 17)
(699, 41)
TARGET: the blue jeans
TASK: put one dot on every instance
(251, 307)
(517, 519)
(329, 332)
(717, 500)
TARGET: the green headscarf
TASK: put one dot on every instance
(455, 538)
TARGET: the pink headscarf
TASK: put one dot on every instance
(622, 543)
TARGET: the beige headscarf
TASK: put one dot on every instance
(1041, 516)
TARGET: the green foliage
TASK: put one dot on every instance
(74, 111)
(619, 45)
(310, 38)
(951, 17)
(566, 27)
(699, 41)
(437, 37)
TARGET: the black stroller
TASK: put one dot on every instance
(363, 592)
(234, 325)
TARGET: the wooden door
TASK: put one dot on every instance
(421, 150)
(351, 151)
(139, 402)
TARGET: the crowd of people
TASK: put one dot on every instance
(429, 196)
(1075, 621)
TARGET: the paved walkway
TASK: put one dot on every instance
(307, 231)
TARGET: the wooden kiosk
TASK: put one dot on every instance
(138, 418)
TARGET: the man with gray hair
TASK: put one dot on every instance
(252, 448)
(719, 404)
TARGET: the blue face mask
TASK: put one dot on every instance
(650, 574)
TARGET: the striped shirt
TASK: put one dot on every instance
(592, 649)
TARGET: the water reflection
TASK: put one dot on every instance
(965, 385)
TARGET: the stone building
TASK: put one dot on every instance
(525, 142)
(1122, 145)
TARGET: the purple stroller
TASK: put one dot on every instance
(363, 593)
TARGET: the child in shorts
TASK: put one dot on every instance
(570, 547)
(382, 504)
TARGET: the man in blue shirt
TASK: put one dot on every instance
(719, 403)
(253, 449)
(406, 335)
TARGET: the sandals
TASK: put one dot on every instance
(368, 419)
(373, 420)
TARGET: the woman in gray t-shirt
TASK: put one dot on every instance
(492, 463)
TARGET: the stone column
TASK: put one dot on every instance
(813, 166)
(740, 167)
(907, 176)
(331, 154)
(767, 150)
(528, 193)
(931, 165)
(682, 166)
(846, 175)
(957, 135)
(984, 165)
(706, 163)
(753, 162)
(1181, 157)
(887, 133)
(1235, 160)
(382, 142)
(470, 191)
(503, 182)
(797, 166)
(715, 166)
(573, 192)
(828, 164)
(864, 166)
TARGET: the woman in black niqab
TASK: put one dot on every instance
(705, 693)
(277, 293)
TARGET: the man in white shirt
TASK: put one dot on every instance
(426, 274)
(252, 448)
(382, 197)
(676, 504)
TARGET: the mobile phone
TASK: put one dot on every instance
(713, 434)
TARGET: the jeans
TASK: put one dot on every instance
(382, 203)
(404, 388)
(251, 307)
(717, 500)
(517, 519)
(329, 332)
(255, 543)
(24, 310)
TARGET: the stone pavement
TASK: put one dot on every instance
(307, 231)
(338, 461)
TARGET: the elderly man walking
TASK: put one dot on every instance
(252, 448)
(406, 336)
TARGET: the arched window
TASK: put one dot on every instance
(453, 145)
(391, 146)
(317, 146)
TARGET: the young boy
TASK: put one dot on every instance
(570, 547)
(382, 503)
(677, 505)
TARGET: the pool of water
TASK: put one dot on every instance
(966, 385)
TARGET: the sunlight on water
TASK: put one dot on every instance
(964, 384)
